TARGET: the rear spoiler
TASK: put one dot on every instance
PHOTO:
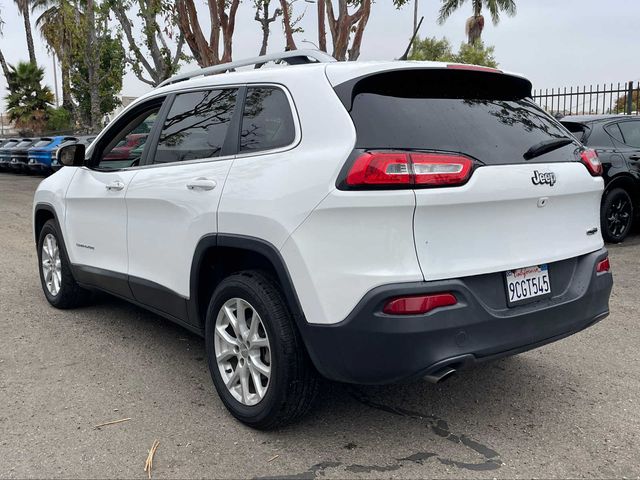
(447, 81)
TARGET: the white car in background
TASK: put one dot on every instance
(369, 222)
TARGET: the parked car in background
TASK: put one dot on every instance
(41, 154)
(5, 153)
(18, 162)
(616, 139)
(82, 139)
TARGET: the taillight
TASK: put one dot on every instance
(603, 266)
(590, 159)
(409, 169)
(418, 304)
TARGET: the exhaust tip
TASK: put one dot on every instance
(440, 375)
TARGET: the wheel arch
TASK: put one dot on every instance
(626, 182)
(43, 212)
(217, 256)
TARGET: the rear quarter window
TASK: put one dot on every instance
(267, 121)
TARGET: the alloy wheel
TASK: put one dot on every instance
(619, 216)
(243, 351)
(51, 264)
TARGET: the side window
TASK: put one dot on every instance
(631, 133)
(196, 126)
(267, 121)
(614, 131)
(126, 146)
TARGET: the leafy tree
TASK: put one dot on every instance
(28, 101)
(440, 50)
(158, 61)
(108, 73)
(59, 120)
(475, 23)
(433, 49)
(621, 103)
(476, 54)
(24, 7)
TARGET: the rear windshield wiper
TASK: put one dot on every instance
(546, 146)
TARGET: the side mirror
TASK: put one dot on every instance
(71, 155)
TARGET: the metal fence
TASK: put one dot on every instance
(621, 98)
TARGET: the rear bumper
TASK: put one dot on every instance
(370, 347)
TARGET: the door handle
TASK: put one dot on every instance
(201, 184)
(635, 156)
(115, 186)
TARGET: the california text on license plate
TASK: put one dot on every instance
(527, 284)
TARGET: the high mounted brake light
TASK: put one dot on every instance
(590, 159)
(397, 169)
(476, 68)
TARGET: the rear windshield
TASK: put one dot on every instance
(24, 144)
(10, 144)
(495, 125)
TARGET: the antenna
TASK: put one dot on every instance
(415, 33)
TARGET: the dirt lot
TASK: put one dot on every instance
(571, 409)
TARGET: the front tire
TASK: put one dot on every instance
(58, 284)
(616, 215)
(256, 357)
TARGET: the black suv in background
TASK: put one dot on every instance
(616, 138)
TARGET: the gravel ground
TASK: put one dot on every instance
(570, 409)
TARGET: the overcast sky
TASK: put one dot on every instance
(553, 42)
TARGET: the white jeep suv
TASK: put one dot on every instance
(365, 222)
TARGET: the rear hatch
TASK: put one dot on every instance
(513, 209)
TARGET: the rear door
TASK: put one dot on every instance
(173, 199)
(628, 142)
(512, 212)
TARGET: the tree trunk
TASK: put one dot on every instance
(94, 92)
(288, 30)
(5, 69)
(27, 28)
(322, 31)
(474, 28)
(365, 9)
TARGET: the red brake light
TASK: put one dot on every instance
(590, 159)
(419, 304)
(603, 266)
(410, 169)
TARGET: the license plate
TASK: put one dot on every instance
(527, 284)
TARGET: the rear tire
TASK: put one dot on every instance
(264, 401)
(58, 284)
(616, 215)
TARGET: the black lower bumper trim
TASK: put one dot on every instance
(370, 347)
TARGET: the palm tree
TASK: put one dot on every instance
(24, 7)
(475, 23)
(28, 102)
(56, 24)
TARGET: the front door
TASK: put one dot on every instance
(96, 213)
